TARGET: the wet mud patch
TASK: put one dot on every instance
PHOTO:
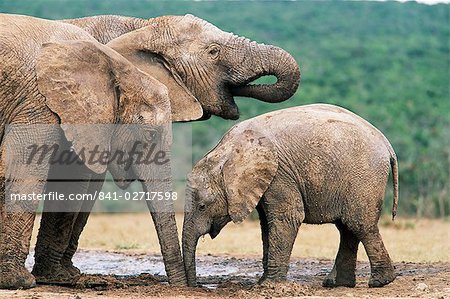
(107, 282)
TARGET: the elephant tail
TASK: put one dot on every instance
(394, 168)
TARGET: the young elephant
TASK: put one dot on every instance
(311, 164)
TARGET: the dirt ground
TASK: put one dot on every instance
(121, 258)
(423, 280)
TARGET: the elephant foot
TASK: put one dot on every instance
(21, 279)
(55, 274)
(333, 281)
(178, 282)
(380, 279)
(69, 267)
(269, 280)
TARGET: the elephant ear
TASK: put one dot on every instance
(248, 172)
(78, 83)
(184, 105)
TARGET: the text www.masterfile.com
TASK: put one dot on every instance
(112, 196)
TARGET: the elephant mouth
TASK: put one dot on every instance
(232, 109)
(213, 233)
(217, 226)
(206, 115)
(232, 90)
(228, 108)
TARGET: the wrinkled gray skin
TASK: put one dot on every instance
(202, 75)
(310, 164)
(72, 71)
(213, 64)
(108, 29)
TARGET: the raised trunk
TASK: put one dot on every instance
(164, 219)
(274, 61)
(190, 240)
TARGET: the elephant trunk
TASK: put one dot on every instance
(190, 240)
(163, 216)
(274, 61)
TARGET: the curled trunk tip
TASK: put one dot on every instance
(279, 63)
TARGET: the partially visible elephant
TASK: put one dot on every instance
(203, 72)
(309, 164)
(213, 65)
(30, 95)
(185, 65)
(82, 80)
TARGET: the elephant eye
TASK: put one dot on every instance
(201, 207)
(138, 119)
(214, 51)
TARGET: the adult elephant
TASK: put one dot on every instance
(214, 65)
(76, 83)
(196, 61)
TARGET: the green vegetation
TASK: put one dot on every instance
(388, 62)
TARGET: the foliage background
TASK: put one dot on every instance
(386, 61)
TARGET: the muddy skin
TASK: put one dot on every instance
(345, 261)
(22, 279)
(48, 268)
(309, 164)
(190, 86)
(55, 274)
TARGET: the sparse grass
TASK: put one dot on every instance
(127, 246)
(410, 240)
(398, 224)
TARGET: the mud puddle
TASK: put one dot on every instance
(122, 264)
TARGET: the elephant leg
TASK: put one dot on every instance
(283, 207)
(66, 260)
(164, 219)
(343, 273)
(53, 238)
(26, 176)
(15, 235)
(264, 236)
(281, 238)
(95, 185)
(382, 271)
(57, 224)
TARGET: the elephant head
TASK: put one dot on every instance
(89, 86)
(199, 62)
(226, 185)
